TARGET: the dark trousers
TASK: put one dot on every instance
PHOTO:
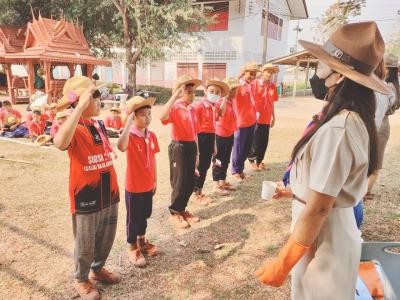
(260, 143)
(224, 150)
(138, 210)
(182, 164)
(242, 143)
(206, 149)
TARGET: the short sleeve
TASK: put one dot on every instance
(155, 142)
(170, 118)
(18, 114)
(275, 98)
(331, 161)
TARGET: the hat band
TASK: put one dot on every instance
(347, 59)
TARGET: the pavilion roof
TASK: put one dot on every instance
(58, 41)
(12, 39)
(301, 57)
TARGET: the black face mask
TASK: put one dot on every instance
(318, 87)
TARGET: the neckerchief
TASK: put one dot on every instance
(249, 89)
(188, 108)
(207, 103)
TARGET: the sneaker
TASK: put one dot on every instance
(221, 190)
(179, 221)
(86, 290)
(136, 257)
(189, 217)
(254, 166)
(200, 200)
(229, 187)
(105, 276)
(147, 248)
(238, 178)
(262, 167)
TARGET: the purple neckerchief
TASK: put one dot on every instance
(106, 142)
(146, 136)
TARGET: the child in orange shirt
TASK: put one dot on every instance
(141, 146)
(93, 186)
(113, 123)
(36, 126)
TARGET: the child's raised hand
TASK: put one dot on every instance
(178, 93)
(85, 98)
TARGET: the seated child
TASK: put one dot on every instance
(141, 177)
(113, 122)
(59, 119)
(10, 118)
(36, 126)
(51, 113)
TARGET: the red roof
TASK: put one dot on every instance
(12, 39)
(55, 40)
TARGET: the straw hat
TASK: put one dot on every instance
(10, 120)
(184, 80)
(271, 67)
(137, 102)
(354, 50)
(391, 61)
(36, 109)
(42, 140)
(60, 115)
(222, 85)
(114, 108)
(232, 82)
(74, 88)
(251, 67)
(53, 105)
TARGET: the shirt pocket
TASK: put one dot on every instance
(299, 165)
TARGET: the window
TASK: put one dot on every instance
(191, 69)
(219, 10)
(275, 25)
(214, 71)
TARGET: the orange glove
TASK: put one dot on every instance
(275, 272)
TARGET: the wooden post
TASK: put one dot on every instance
(265, 37)
(307, 76)
(8, 70)
(71, 69)
(31, 77)
(47, 73)
(296, 75)
(89, 72)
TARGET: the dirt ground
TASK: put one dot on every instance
(36, 242)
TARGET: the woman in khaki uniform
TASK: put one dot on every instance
(330, 169)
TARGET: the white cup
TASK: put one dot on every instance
(268, 190)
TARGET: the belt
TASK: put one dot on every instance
(298, 199)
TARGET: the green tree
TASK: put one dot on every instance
(144, 29)
(336, 15)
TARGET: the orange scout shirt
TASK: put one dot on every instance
(140, 154)
(266, 95)
(244, 105)
(93, 181)
(116, 123)
(207, 114)
(184, 122)
(4, 113)
(226, 124)
(36, 129)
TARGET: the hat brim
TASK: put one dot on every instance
(222, 85)
(115, 109)
(195, 82)
(273, 69)
(371, 81)
(131, 107)
(42, 139)
(64, 103)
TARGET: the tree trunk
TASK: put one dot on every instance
(131, 79)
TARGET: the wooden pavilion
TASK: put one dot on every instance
(47, 43)
(299, 59)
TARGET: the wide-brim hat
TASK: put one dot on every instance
(184, 80)
(354, 50)
(74, 88)
(391, 61)
(232, 82)
(222, 85)
(42, 140)
(114, 108)
(251, 67)
(270, 67)
(10, 120)
(60, 115)
(137, 102)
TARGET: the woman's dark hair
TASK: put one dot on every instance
(393, 77)
(353, 97)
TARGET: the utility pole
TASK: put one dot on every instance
(265, 43)
(297, 29)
